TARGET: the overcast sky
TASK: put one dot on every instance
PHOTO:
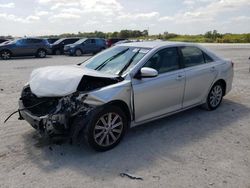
(40, 17)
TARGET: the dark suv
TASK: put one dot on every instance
(25, 47)
(52, 40)
(85, 46)
(58, 46)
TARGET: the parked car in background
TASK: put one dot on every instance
(110, 42)
(123, 41)
(52, 40)
(25, 47)
(3, 40)
(58, 46)
(124, 86)
(85, 46)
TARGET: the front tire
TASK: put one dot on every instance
(78, 52)
(5, 54)
(106, 129)
(214, 97)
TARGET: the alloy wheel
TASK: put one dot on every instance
(216, 96)
(5, 55)
(108, 129)
(41, 53)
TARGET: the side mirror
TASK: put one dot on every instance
(147, 72)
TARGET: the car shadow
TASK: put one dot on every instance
(143, 145)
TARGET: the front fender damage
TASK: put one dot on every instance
(68, 115)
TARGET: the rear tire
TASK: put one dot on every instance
(106, 128)
(214, 97)
(5, 54)
(41, 53)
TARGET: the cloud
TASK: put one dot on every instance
(64, 16)
(241, 18)
(206, 13)
(139, 16)
(166, 18)
(41, 13)
(191, 16)
(7, 5)
(12, 17)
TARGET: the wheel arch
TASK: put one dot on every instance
(123, 106)
(5, 49)
(223, 83)
(41, 49)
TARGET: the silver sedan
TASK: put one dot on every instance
(124, 86)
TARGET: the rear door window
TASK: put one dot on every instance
(207, 58)
(192, 56)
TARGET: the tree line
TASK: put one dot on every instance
(210, 36)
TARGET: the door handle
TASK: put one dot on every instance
(179, 77)
(212, 69)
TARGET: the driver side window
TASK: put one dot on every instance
(165, 60)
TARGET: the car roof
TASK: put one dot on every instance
(157, 44)
(160, 44)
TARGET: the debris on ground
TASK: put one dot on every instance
(157, 177)
(130, 176)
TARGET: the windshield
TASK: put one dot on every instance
(80, 41)
(117, 60)
(58, 41)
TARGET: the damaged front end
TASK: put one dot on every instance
(64, 115)
(52, 116)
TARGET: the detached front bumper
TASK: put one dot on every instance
(46, 125)
(54, 116)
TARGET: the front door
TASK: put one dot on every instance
(157, 96)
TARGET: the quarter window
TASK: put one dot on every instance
(208, 59)
(164, 61)
(192, 56)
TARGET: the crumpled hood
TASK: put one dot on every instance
(58, 81)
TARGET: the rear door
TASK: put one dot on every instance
(90, 46)
(22, 47)
(200, 72)
(34, 45)
(162, 94)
